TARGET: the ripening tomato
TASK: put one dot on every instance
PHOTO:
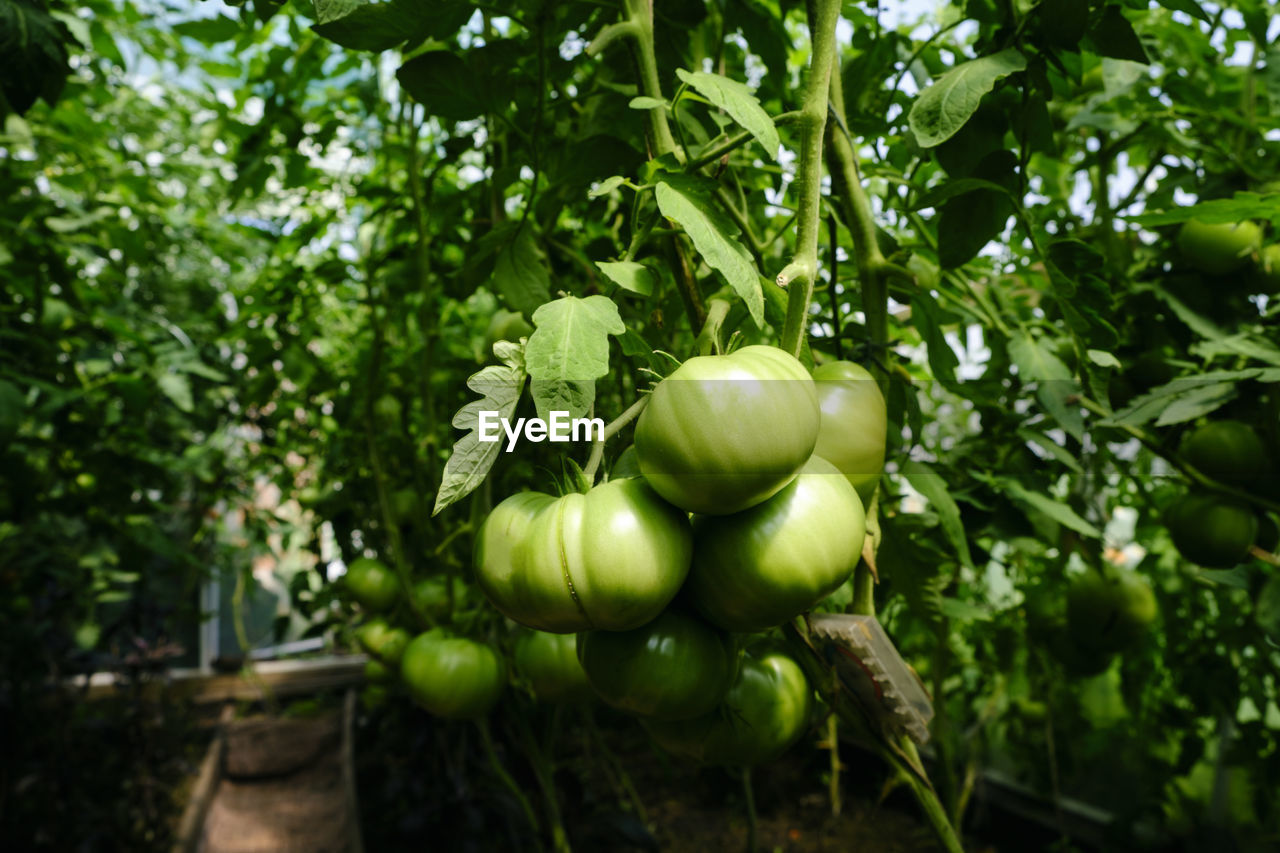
(854, 424)
(1220, 248)
(758, 568)
(452, 677)
(611, 559)
(765, 712)
(1229, 452)
(1212, 531)
(673, 668)
(724, 433)
(382, 641)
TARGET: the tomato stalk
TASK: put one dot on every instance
(801, 274)
(752, 824)
(486, 737)
(543, 772)
(610, 430)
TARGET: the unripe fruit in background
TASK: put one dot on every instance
(1109, 611)
(724, 433)
(1229, 452)
(550, 664)
(373, 585)
(1220, 248)
(854, 424)
(384, 642)
(452, 677)
(1211, 531)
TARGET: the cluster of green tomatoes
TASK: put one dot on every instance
(739, 507)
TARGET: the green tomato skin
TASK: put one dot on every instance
(762, 567)
(854, 424)
(1218, 249)
(385, 643)
(375, 672)
(405, 506)
(610, 559)
(506, 326)
(372, 584)
(1229, 452)
(452, 677)
(1108, 613)
(673, 668)
(430, 596)
(386, 411)
(765, 711)
(724, 433)
(550, 663)
(1210, 531)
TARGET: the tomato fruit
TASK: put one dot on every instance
(765, 712)
(1221, 248)
(452, 677)
(385, 643)
(673, 668)
(724, 433)
(430, 596)
(854, 424)
(404, 505)
(550, 663)
(1211, 531)
(1227, 451)
(759, 568)
(372, 584)
(1109, 611)
(612, 558)
(376, 672)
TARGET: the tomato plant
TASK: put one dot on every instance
(550, 663)
(853, 428)
(452, 677)
(372, 584)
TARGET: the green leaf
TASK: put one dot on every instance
(1191, 7)
(520, 275)
(968, 222)
(684, 200)
(942, 358)
(443, 83)
(1051, 447)
(943, 108)
(499, 387)
(1054, 382)
(738, 101)
(177, 388)
(934, 489)
(332, 10)
(1103, 358)
(1242, 205)
(1040, 502)
(213, 30)
(607, 186)
(644, 102)
(630, 275)
(569, 350)
(950, 189)
(1113, 36)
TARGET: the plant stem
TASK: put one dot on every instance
(503, 776)
(801, 274)
(750, 797)
(611, 429)
(640, 15)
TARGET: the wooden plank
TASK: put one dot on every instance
(192, 822)
(279, 678)
(356, 842)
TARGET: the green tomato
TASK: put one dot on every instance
(612, 558)
(550, 664)
(1218, 249)
(452, 677)
(673, 668)
(430, 596)
(764, 566)
(1109, 612)
(724, 433)
(765, 711)
(854, 424)
(1212, 531)
(1229, 452)
(405, 506)
(373, 585)
(376, 672)
(382, 641)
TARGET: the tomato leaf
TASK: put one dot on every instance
(1055, 509)
(629, 275)
(1054, 381)
(569, 350)
(520, 275)
(1113, 36)
(443, 83)
(685, 201)
(934, 489)
(943, 108)
(738, 101)
(1242, 205)
(1191, 7)
(499, 387)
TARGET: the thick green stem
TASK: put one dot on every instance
(801, 274)
(610, 430)
(640, 15)
(752, 823)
